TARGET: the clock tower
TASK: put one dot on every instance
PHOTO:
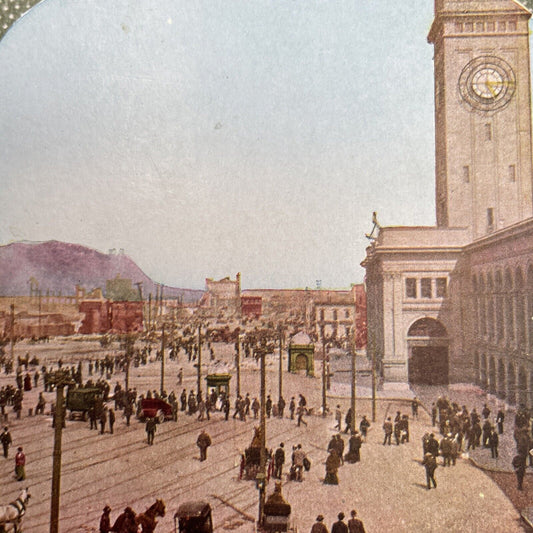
(482, 114)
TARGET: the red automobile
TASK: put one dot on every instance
(156, 408)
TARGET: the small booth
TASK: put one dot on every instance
(302, 354)
(219, 383)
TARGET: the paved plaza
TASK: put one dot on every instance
(387, 487)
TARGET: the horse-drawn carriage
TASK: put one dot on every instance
(193, 517)
(11, 514)
(251, 458)
(81, 399)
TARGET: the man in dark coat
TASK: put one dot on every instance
(125, 523)
(387, 430)
(433, 445)
(500, 417)
(430, 463)
(279, 461)
(354, 447)
(332, 466)
(203, 442)
(519, 465)
(105, 520)
(355, 525)
(103, 420)
(339, 526)
(150, 427)
(318, 526)
(111, 420)
(493, 443)
(6, 440)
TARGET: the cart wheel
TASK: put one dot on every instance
(160, 417)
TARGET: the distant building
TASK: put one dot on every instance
(223, 296)
(251, 306)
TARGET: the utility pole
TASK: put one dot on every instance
(354, 388)
(324, 376)
(162, 387)
(199, 367)
(238, 365)
(60, 379)
(280, 386)
(262, 457)
(40, 332)
(12, 333)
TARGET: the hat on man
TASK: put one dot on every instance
(319, 518)
(340, 516)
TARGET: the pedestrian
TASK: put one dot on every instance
(493, 443)
(363, 428)
(500, 417)
(446, 450)
(150, 428)
(387, 430)
(226, 409)
(355, 525)
(298, 458)
(92, 417)
(519, 465)
(292, 407)
(301, 411)
(268, 406)
(354, 447)
(338, 417)
(332, 466)
(6, 440)
(281, 406)
(430, 463)
(339, 526)
(348, 420)
(279, 461)
(105, 520)
(103, 420)
(414, 407)
(183, 400)
(433, 414)
(180, 379)
(41, 402)
(128, 411)
(318, 526)
(20, 465)
(203, 442)
(111, 420)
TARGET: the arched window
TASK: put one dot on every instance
(520, 309)
(508, 306)
(499, 304)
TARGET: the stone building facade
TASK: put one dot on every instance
(454, 302)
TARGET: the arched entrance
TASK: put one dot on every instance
(300, 362)
(428, 352)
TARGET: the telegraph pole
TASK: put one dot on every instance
(238, 365)
(60, 379)
(262, 457)
(199, 367)
(12, 306)
(324, 376)
(162, 387)
(354, 388)
(280, 386)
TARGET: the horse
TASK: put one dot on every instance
(147, 519)
(13, 512)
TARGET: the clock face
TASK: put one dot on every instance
(487, 83)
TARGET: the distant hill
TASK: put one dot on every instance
(59, 267)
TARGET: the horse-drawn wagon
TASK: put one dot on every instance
(193, 517)
(155, 408)
(11, 514)
(251, 458)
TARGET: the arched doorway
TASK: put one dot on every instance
(300, 362)
(428, 352)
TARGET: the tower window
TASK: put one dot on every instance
(491, 26)
(501, 26)
(459, 27)
(490, 218)
(425, 287)
(466, 174)
(512, 173)
(488, 132)
(512, 25)
(410, 287)
(442, 286)
(479, 27)
(469, 26)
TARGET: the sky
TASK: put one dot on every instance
(213, 137)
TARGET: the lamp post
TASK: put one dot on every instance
(238, 365)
